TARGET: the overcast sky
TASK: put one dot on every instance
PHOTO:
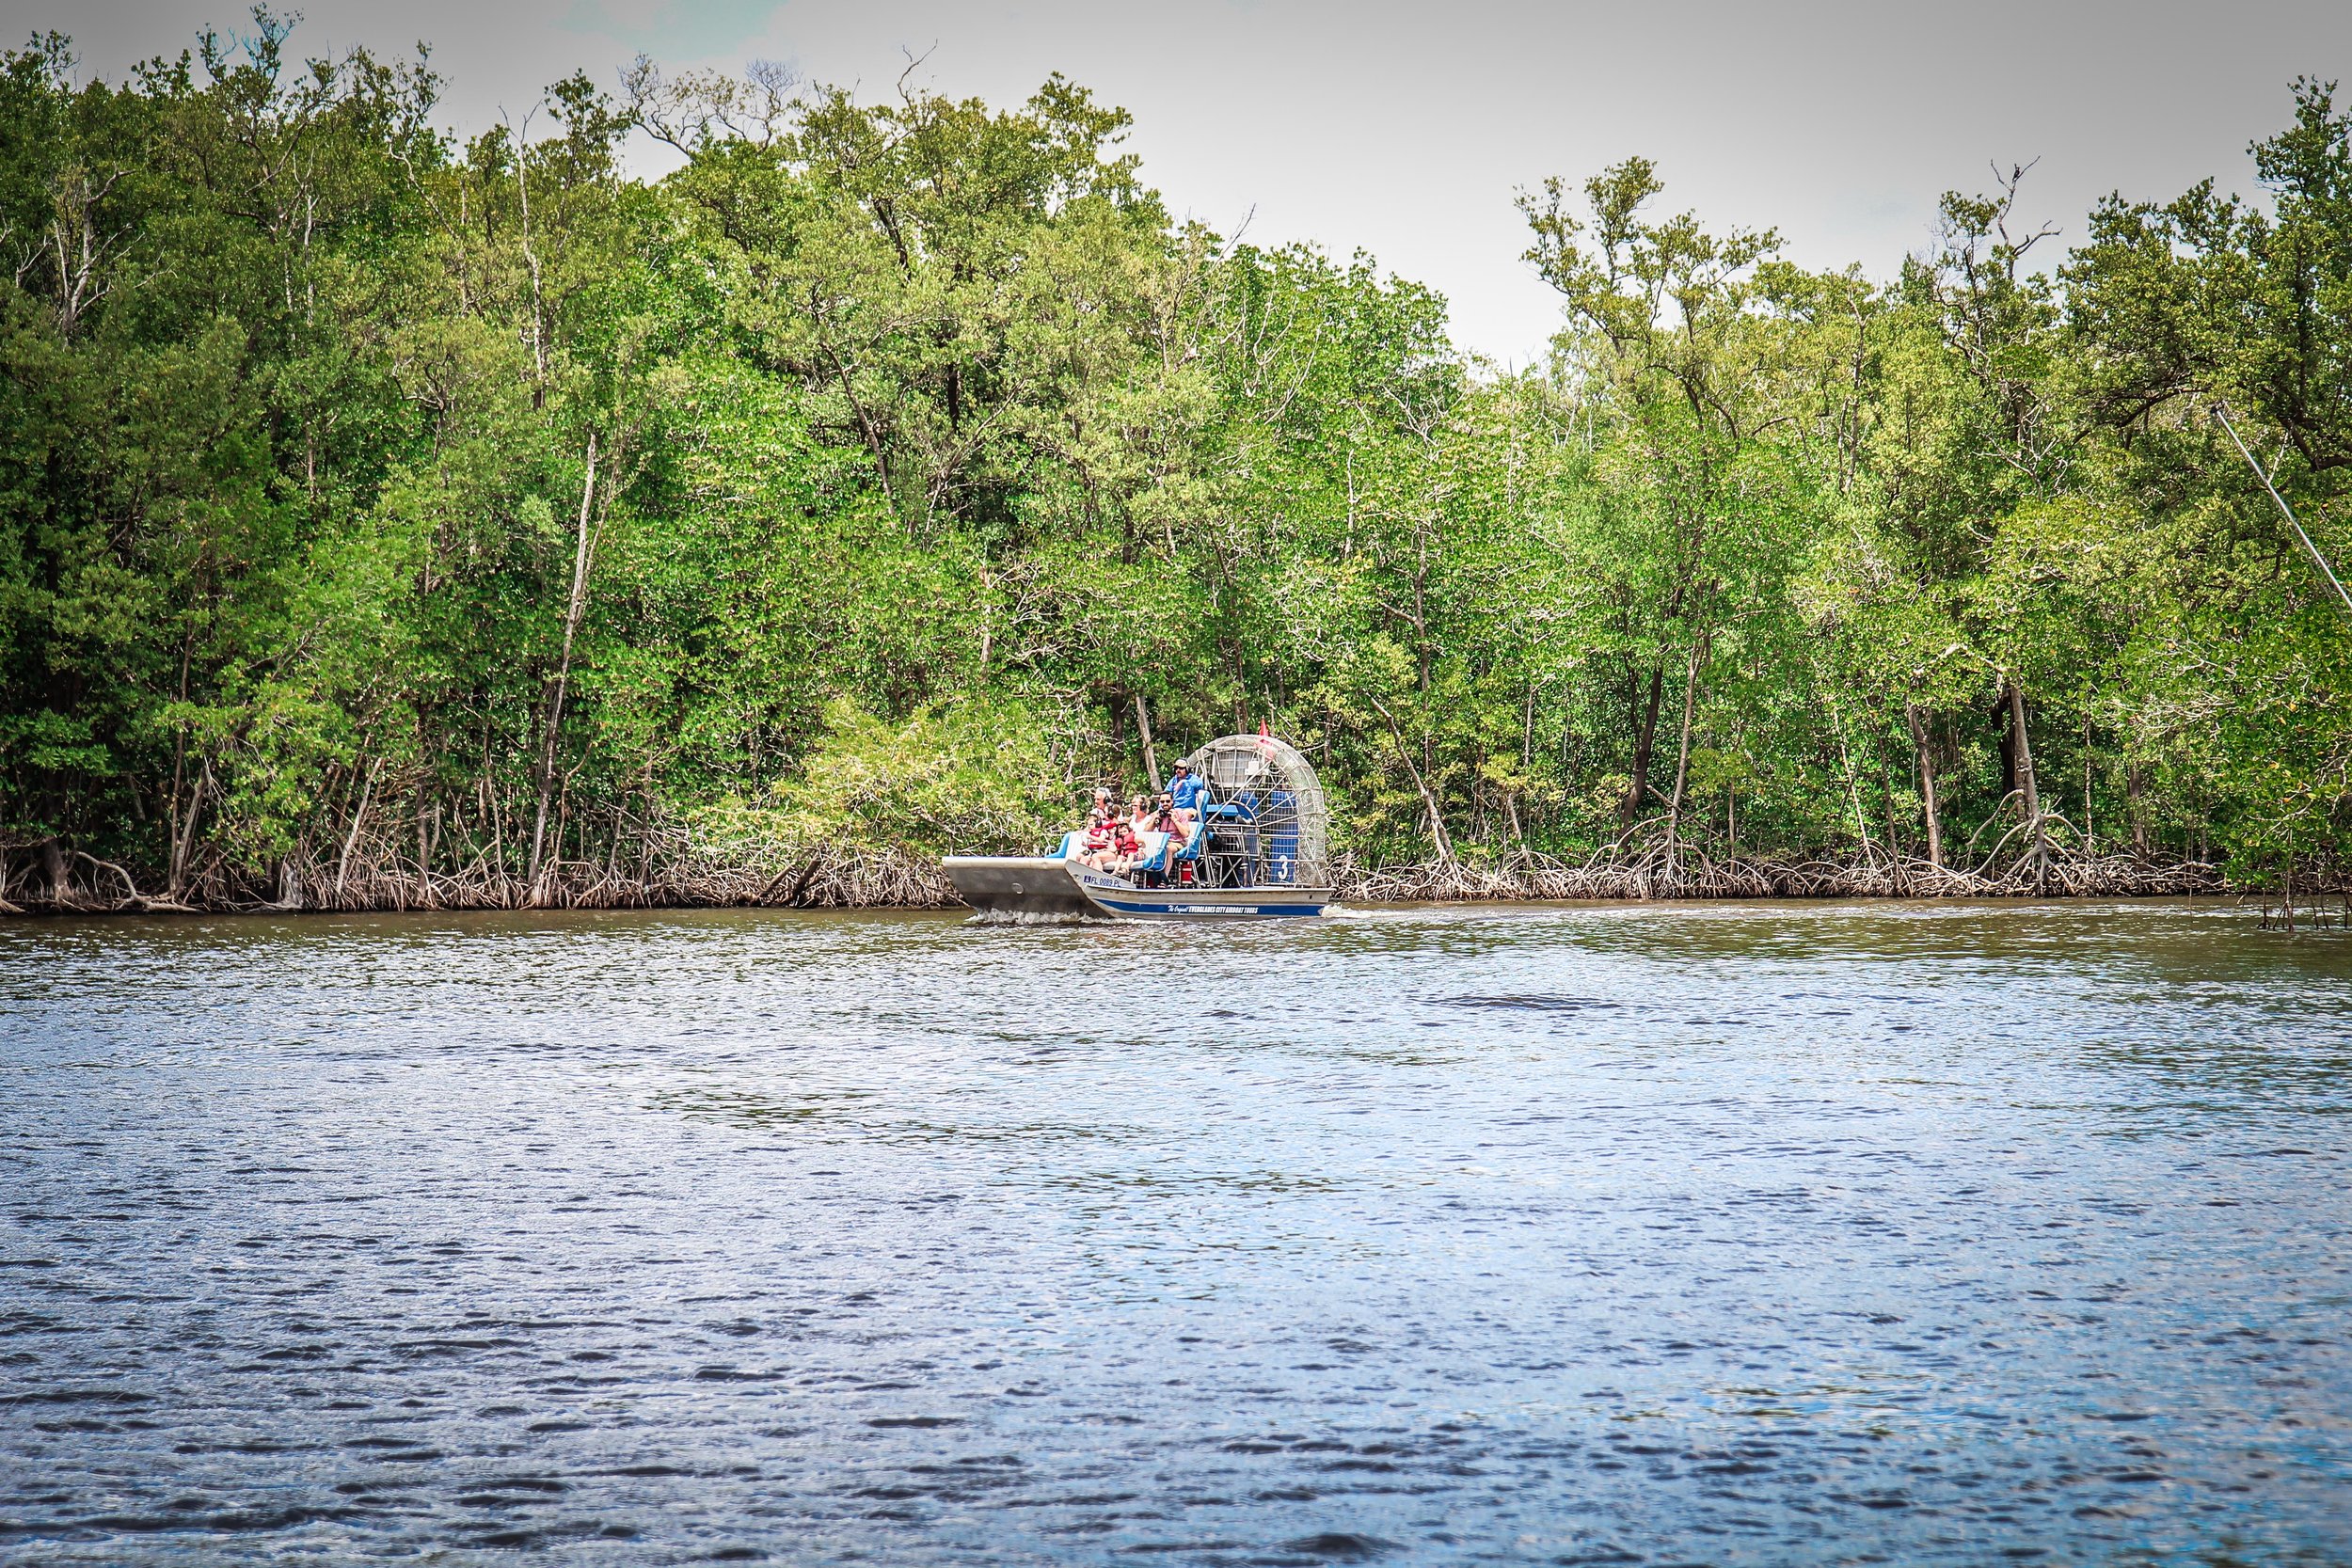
(1404, 130)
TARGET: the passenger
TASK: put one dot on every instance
(1125, 852)
(1101, 810)
(1143, 820)
(1094, 844)
(1164, 821)
(1188, 793)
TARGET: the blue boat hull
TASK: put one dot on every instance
(1045, 888)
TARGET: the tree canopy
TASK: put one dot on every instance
(387, 517)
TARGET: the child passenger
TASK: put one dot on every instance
(1125, 851)
(1094, 848)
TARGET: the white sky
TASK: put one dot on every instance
(1404, 130)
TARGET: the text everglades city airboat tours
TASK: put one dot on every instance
(1257, 846)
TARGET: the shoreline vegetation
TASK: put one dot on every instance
(400, 515)
(670, 873)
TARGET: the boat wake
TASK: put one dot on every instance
(1032, 917)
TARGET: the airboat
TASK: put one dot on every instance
(1259, 846)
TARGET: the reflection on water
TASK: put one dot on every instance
(1751, 1234)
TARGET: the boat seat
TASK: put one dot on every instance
(1161, 851)
(1155, 852)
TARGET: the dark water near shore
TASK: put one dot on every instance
(1729, 1235)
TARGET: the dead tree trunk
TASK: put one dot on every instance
(580, 554)
(2035, 823)
(1151, 760)
(1440, 840)
(359, 816)
(184, 844)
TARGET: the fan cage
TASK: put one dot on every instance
(1269, 825)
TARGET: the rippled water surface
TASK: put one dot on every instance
(1729, 1235)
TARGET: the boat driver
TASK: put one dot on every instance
(1190, 792)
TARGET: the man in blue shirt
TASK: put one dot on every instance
(1188, 792)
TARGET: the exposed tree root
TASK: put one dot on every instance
(666, 864)
(1873, 874)
(664, 867)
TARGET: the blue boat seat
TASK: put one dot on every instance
(1161, 851)
(1155, 856)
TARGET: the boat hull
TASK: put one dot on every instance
(1034, 886)
(1119, 900)
(1040, 888)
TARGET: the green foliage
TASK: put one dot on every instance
(928, 451)
(978, 777)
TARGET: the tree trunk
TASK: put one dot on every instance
(2134, 794)
(184, 844)
(1151, 759)
(2022, 749)
(988, 616)
(1644, 742)
(1682, 757)
(1927, 786)
(2009, 741)
(1518, 835)
(53, 866)
(359, 816)
(2090, 838)
(1440, 840)
(563, 668)
(1845, 761)
(1887, 802)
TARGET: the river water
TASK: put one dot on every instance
(1736, 1234)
